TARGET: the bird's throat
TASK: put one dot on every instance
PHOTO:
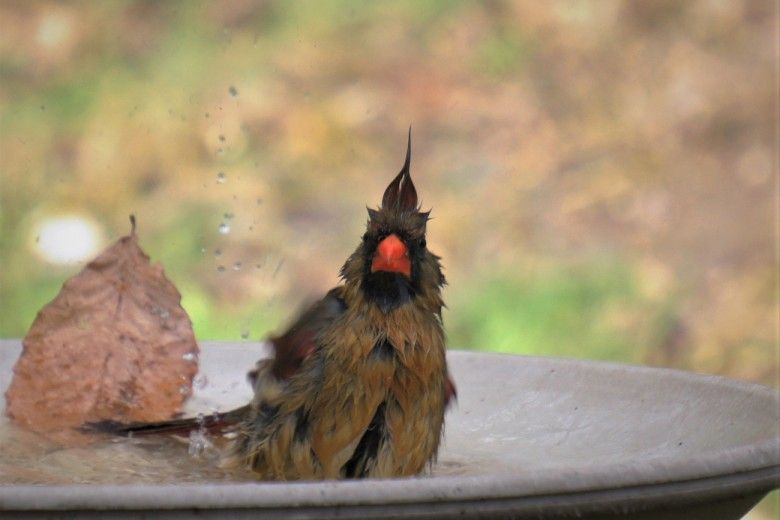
(388, 290)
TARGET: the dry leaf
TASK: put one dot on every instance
(114, 344)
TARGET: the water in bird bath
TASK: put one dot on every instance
(30, 458)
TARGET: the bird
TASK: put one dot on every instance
(358, 385)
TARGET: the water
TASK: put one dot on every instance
(29, 458)
(200, 445)
(200, 381)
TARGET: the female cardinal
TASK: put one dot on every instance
(358, 385)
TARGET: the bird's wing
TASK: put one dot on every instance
(300, 340)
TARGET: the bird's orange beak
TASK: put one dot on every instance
(392, 256)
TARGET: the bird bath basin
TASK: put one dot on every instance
(528, 438)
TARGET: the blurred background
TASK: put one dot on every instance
(603, 175)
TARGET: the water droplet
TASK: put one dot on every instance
(200, 382)
(190, 356)
(217, 252)
(224, 228)
(233, 91)
(199, 443)
(220, 268)
(237, 266)
(159, 311)
(244, 334)
(221, 177)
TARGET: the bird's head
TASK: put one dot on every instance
(392, 265)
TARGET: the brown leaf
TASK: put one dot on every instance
(114, 344)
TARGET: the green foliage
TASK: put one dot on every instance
(503, 54)
(560, 131)
(592, 311)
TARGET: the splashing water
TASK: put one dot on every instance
(199, 443)
(199, 382)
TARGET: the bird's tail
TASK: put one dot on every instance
(215, 423)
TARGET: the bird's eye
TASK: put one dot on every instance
(423, 243)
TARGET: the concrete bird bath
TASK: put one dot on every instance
(528, 438)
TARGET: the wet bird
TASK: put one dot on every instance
(358, 385)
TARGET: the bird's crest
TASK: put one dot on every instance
(399, 202)
(401, 195)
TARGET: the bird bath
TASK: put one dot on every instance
(529, 437)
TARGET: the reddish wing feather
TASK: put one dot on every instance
(451, 393)
(300, 341)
